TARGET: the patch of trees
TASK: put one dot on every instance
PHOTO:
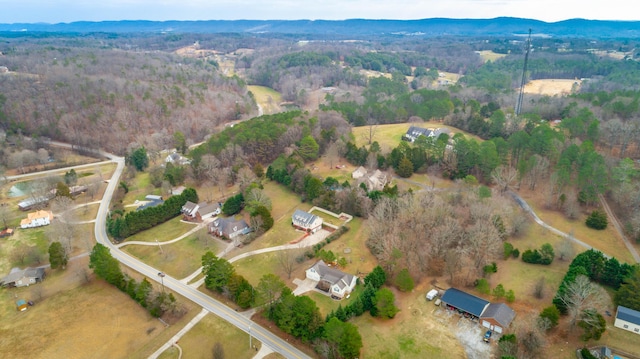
(108, 268)
(377, 61)
(221, 277)
(543, 256)
(597, 220)
(452, 234)
(120, 225)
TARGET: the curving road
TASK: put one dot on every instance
(266, 337)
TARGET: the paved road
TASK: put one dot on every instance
(203, 300)
(613, 219)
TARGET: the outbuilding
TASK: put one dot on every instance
(627, 319)
(497, 317)
(465, 303)
(21, 305)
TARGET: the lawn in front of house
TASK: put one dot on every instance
(283, 200)
(177, 259)
(163, 232)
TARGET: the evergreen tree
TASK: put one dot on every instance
(384, 301)
(106, 267)
(57, 255)
(403, 281)
(405, 168)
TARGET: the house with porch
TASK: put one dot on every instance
(306, 221)
(331, 280)
(37, 219)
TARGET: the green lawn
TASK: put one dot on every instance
(177, 259)
(139, 187)
(488, 55)
(327, 305)
(163, 232)
(283, 200)
(266, 97)
(85, 212)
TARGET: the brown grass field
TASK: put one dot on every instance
(488, 55)
(266, 97)
(552, 87)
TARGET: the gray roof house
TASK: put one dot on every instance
(306, 221)
(497, 317)
(229, 227)
(200, 211)
(331, 280)
(464, 302)
(24, 277)
(627, 319)
(414, 132)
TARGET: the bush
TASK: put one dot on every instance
(490, 268)
(403, 281)
(552, 314)
(586, 354)
(508, 249)
(483, 286)
(515, 253)
(597, 220)
(544, 256)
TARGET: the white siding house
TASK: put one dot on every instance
(627, 319)
(337, 283)
(306, 221)
(37, 219)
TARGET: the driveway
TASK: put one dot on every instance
(304, 286)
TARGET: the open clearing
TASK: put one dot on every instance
(488, 55)
(198, 342)
(266, 97)
(552, 87)
(389, 136)
(73, 320)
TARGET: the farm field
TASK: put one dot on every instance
(488, 55)
(552, 87)
(389, 136)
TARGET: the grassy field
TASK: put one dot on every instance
(283, 200)
(199, 341)
(85, 212)
(607, 240)
(73, 320)
(552, 87)
(414, 332)
(389, 136)
(488, 55)
(163, 232)
(177, 259)
(266, 97)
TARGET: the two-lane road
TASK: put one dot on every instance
(212, 305)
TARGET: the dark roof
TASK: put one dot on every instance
(229, 225)
(37, 273)
(303, 218)
(628, 315)
(464, 301)
(500, 312)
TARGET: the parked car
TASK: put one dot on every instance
(432, 294)
(487, 336)
(437, 302)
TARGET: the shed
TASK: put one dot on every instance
(464, 302)
(627, 319)
(497, 317)
(21, 305)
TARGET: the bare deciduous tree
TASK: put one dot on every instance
(287, 260)
(505, 177)
(580, 295)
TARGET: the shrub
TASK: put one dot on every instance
(483, 286)
(552, 314)
(586, 354)
(515, 253)
(490, 268)
(403, 281)
(597, 220)
(544, 256)
(508, 249)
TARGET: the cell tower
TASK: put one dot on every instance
(524, 76)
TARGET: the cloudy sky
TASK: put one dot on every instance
(54, 11)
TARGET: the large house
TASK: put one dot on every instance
(375, 181)
(37, 219)
(229, 228)
(414, 132)
(23, 278)
(306, 221)
(337, 283)
(494, 316)
(176, 159)
(627, 319)
(201, 211)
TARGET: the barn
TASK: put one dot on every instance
(465, 303)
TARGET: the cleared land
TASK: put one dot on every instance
(389, 136)
(266, 97)
(552, 87)
(163, 232)
(488, 55)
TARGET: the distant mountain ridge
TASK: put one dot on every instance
(501, 26)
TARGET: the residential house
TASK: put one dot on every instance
(414, 132)
(359, 173)
(331, 280)
(306, 221)
(497, 317)
(37, 219)
(627, 319)
(376, 181)
(176, 159)
(229, 228)
(464, 303)
(22, 278)
(201, 211)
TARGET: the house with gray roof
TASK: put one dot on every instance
(23, 277)
(331, 280)
(414, 132)
(229, 228)
(497, 317)
(627, 319)
(201, 211)
(306, 221)
(465, 303)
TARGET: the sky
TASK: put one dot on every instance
(55, 11)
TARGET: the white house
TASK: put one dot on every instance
(306, 221)
(359, 172)
(37, 219)
(331, 280)
(627, 319)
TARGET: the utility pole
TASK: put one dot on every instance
(162, 275)
(524, 76)
(250, 346)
